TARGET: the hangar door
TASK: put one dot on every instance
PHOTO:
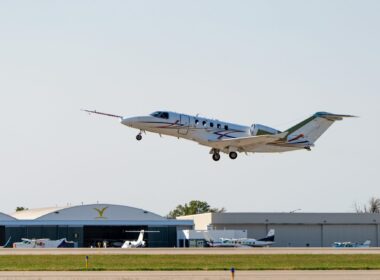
(114, 236)
(2, 235)
(297, 235)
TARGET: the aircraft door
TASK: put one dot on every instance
(185, 123)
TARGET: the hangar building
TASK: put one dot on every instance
(297, 229)
(90, 224)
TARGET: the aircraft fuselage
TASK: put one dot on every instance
(199, 129)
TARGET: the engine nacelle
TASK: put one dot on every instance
(259, 129)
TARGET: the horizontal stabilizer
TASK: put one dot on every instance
(333, 117)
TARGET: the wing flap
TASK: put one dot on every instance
(247, 141)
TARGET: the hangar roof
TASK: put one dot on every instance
(296, 218)
(5, 217)
(32, 214)
(87, 212)
(203, 221)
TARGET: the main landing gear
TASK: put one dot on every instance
(233, 155)
(216, 155)
(139, 137)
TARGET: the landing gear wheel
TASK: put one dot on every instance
(216, 156)
(138, 137)
(233, 155)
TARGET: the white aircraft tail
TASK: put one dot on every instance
(309, 130)
(141, 237)
(270, 233)
(367, 243)
(7, 243)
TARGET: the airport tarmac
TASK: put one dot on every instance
(199, 275)
(189, 251)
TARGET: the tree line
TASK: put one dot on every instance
(373, 206)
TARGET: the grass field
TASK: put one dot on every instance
(189, 262)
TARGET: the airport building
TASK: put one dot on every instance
(296, 229)
(90, 225)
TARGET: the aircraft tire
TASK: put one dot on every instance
(216, 157)
(233, 155)
(138, 137)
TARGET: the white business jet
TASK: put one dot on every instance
(135, 243)
(232, 138)
(139, 243)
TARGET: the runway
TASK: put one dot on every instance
(190, 251)
(199, 275)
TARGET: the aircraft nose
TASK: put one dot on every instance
(130, 121)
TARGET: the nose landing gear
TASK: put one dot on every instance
(139, 137)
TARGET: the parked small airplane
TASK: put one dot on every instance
(365, 244)
(244, 242)
(44, 243)
(232, 138)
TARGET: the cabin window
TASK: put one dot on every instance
(226, 127)
(218, 125)
(211, 124)
(196, 121)
(204, 123)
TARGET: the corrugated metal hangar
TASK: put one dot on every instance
(89, 225)
(297, 229)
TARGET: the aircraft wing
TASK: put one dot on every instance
(247, 141)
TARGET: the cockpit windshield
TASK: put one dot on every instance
(161, 115)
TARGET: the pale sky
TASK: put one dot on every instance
(268, 62)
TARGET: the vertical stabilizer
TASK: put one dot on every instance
(309, 130)
(367, 243)
(269, 237)
(141, 237)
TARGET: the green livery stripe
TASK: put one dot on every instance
(301, 124)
